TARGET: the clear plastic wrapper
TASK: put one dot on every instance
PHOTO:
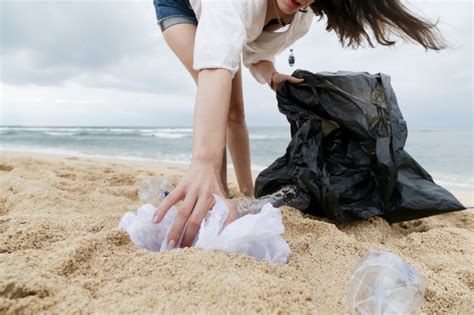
(257, 235)
(383, 283)
(153, 190)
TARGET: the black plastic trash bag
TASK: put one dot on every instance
(347, 154)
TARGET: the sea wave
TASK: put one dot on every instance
(54, 133)
(7, 132)
(167, 133)
(172, 130)
(108, 133)
(182, 159)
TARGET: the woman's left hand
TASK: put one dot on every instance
(279, 78)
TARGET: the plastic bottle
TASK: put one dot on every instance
(153, 190)
(383, 283)
(287, 195)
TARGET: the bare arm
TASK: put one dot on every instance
(202, 178)
(210, 115)
(266, 69)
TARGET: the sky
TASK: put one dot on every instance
(105, 63)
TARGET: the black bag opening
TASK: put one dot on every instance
(346, 158)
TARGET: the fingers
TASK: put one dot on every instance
(182, 217)
(203, 205)
(284, 77)
(295, 80)
(190, 215)
(232, 216)
(175, 196)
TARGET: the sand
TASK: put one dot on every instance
(61, 251)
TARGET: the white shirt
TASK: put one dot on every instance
(228, 29)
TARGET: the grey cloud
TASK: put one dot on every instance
(95, 43)
(117, 45)
(75, 33)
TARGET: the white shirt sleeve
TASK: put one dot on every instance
(253, 56)
(221, 34)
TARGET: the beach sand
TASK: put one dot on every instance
(61, 250)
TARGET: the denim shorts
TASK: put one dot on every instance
(170, 12)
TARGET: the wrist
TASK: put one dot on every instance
(208, 159)
(265, 68)
(270, 80)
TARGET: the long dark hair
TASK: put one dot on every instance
(349, 18)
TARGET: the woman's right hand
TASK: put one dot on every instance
(196, 188)
(202, 179)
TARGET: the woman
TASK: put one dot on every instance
(209, 37)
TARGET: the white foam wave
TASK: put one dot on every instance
(51, 133)
(54, 129)
(172, 130)
(169, 135)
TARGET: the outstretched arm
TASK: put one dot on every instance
(202, 178)
(210, 115)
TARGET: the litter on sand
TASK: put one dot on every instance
(383, 283)
(257, 235)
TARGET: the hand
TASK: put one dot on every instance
(196, 188)
(279, 78)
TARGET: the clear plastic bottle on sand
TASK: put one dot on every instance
(153, 190)
(287, 195)
(383, 283)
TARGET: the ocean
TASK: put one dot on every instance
(447, 154)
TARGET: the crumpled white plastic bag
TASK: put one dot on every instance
(256, 235)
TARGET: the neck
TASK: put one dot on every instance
(274, 12)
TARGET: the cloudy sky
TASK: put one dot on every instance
(94, 62)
